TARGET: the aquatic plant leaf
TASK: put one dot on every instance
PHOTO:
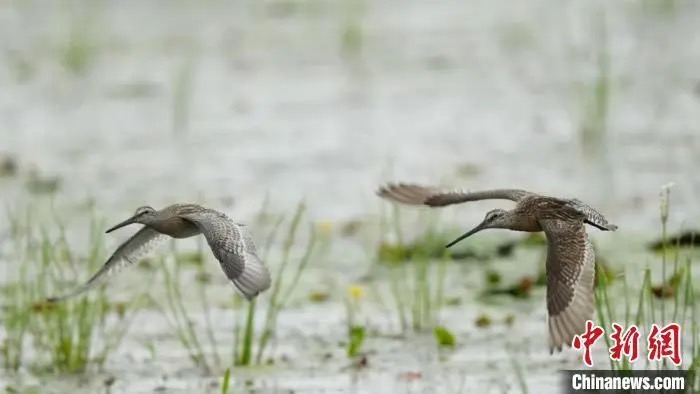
(356, 339)
(444, 337)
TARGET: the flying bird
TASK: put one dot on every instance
(230, 242)
(570, 261)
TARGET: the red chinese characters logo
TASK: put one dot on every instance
(586, 340)
(627, 344)
(663, 342)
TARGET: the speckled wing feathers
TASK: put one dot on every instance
(570, 275)
(593, 217)
(128, 253)
(233, 246)
(421, 195)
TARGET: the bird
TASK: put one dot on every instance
(570, 264)
(230, 242)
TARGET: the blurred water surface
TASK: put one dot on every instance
(152, 102)
(324, 100)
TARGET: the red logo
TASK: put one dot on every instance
(627, 344)
(586, 340)
(663, 342)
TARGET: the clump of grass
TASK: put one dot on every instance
(649, 309)
(282, 289)
(178, 316)
(417, 288)
(77, 53)
(63, 337)
(356, 329)
(356, 338)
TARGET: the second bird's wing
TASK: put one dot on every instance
(570, 275)
(413, 194)
(128, 253)
(233, 246)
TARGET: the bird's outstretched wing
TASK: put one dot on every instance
(413, 194)
(128, 253)
(233, 246)
(570, 275)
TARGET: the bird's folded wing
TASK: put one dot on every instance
(593, 217)
(421, 195)
(570, 277)
(233, 246)
(128, 253)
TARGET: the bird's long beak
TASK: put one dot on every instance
(127, 222)
(475, 230)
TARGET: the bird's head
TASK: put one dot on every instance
(496, 218)
(142, 215)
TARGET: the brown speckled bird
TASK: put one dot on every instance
(230, 243)
(570, 258)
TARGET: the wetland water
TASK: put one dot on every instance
(133, 103)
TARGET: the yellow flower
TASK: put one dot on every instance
(324, 227)
(356, 292)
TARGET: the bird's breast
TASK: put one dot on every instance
(176, 227)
